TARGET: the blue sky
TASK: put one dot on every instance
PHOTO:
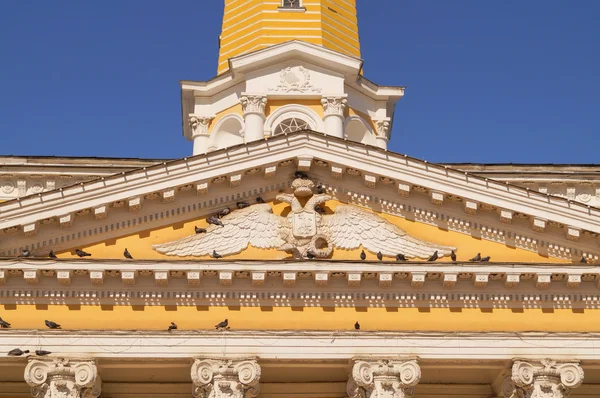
(487, 81)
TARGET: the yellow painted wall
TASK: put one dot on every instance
(250, 25)
(140, 244)
(304, 318)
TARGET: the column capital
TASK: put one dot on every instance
(545, 378)
(253, 103)
(393, 377)
(382, 127)
(334, 105)
(225, 378)
(63, 377)
(199, 124)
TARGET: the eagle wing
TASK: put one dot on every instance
(255, 225)
(351, 227)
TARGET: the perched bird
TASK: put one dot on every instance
(222, 325)
(363, 256)
(319, 209)
(485, 259)
(476, 258)
(81, 253)
(357, 326)
(52, 325)
(320, 189)
(214, 221)
(4, 324)
(242, 205)
(51, 254)
(224, 212)
(401, 257)
(379, 256)
(200, 230)
(583, 260)
(127, 254)
(25, 253)
(17, 352)
(301, 174)
(172, 326)
(453, 256)
(260, 200)
(310, 255)
(215, 254)
(41, 353)
(434, 256)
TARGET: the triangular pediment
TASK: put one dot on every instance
(431, 202)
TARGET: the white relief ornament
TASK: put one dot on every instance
(303, 231)
(63, 378)
(36, 188)
(253, 103)
(546, 378)
(225, 378)
(584, 197)
(7, 186)
(384, 378)
(383, 128)
(199, 124)
(334, 105)
(295, 78)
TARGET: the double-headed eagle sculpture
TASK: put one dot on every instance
(304, 232)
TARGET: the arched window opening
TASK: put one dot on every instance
(290, 125)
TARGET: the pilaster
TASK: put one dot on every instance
(225, 378)
(63, 377)
(334, 108)
(374, 378)
(546, 378)
(253, 106)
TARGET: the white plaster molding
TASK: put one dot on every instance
(295, 79)
(383, 127)
(546, 378)
(334, 105)
(383, 377)
(253, 104)
(225, 378)
(63, 377)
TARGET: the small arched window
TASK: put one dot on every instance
(290, 125)
(290, 4)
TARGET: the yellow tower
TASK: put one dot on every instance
(249, 25)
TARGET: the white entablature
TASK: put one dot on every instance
(294, 71)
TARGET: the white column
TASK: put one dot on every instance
(225, 378)
(63, 377)
(253, 106)
(334, 108)
(545, 378)
(199, 125)
(382, 132)
(373, 378)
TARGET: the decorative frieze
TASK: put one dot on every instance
(573, 233)
(225, 378)
(258, 278)
(538, 224)
(193, 277)
(225, 278)
(161, 277)
(63, 377)
(437, 198)
(63, 277)
(506, 216)
(374, 378)
(545, 378)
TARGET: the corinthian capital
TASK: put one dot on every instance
(253, 103)
(545, 378)
(63, 377)
(374, 378)
(225, 378)
(199, 124)
(334, 105)
(383, 127)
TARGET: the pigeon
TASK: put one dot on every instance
(51, 254)
(434, 256)
(583, 260)
(222, 325)
(25, 253)
(172, 326)
(41, 353)
(224, 212)
(401, 257)
(476, 258)
(453, 256)
(242, 205)
(260, 200)
(17, 352)
(52, 325)
(485, 259)
(320, 189)
(379, 256)
(200, 230)
(310, 255)
(357, 326)
(81, 253)
(363, 256)
(215, 254)
(4, 324)
(301, 174)
(127, 254)
(319, 209)
(214, 221)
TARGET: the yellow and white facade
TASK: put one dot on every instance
(290, 119)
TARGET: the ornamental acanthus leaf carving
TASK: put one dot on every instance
(303, 231)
